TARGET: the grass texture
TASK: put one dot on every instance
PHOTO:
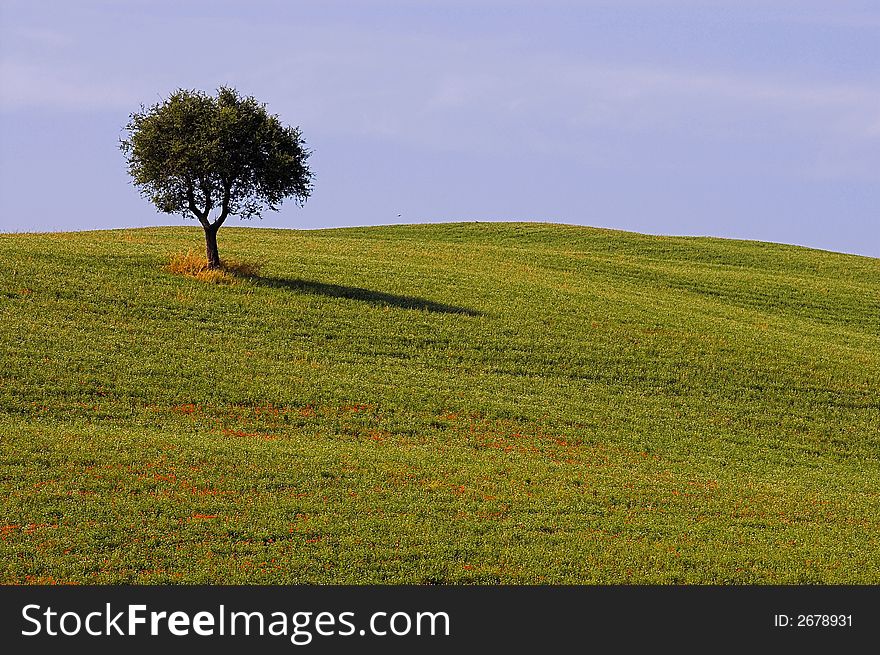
(437, 404)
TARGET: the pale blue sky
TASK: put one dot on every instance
(745, 118)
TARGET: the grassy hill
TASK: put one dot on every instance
(459, 403)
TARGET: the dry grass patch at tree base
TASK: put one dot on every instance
(193, 265)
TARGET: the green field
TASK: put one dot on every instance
(456, 403)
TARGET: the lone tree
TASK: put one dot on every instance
(194, 154)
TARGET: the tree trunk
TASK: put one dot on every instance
(211, 246)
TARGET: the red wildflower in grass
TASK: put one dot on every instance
(355, 409)
(188, 408)
(44, 580)
(269, 409)
(6, 529)
(204, 517)
(239, 433)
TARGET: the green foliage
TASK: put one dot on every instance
(468, 403)
(193, 153)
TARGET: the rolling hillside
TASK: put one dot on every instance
(455, 403)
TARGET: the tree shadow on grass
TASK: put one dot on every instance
(364, 295)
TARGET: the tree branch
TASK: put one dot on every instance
(191, 199)
(206, 191)
(224, 208)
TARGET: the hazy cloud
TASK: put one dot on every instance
(68, 88)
